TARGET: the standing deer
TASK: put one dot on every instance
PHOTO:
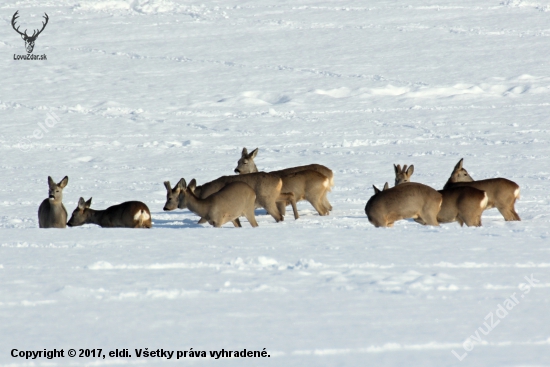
(29, 40)
(130, 214)
(305, 185)
(52, 212)
(304, 182)
(501, 192)
(266, 186)
(460, 204)
(408, 200)
(234, 200)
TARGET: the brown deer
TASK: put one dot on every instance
(130, 214)
(408, 200)
(501, 192)
(402, 175)
(234, 200)
(460, 204)
(52, 212)
(305, 185)
(304, 182)
(266, 186)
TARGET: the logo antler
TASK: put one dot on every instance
(29, 40)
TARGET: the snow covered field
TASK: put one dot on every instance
(143, 91)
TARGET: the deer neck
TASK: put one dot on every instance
(198, 191)
(95, 216)
(448, 183)
(56, 201)
(196, 205)
(56, 207)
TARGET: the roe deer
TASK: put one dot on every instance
(130, 214)
(460, 204)
(266, 186)
(310, 184)
(52, 212)
(402, 175)
(502, 193)
(408, 200)
(234, 200)
(306, 185)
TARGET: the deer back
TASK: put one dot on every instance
(325, 171)
(463, 204)
(130, 214)
(232, 199)
(500, 191)
(305, 183)
(408, 200)
(246, 165)
(264, 184)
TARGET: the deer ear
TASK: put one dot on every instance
(182, 184)
(459, 164)
(63, 182)
(410, 170)
(397, 168)
(244, 153)
(81, 204)
(167, 185)
(51, 182)
(253, 154)
(376, 191)
(192, 185)
(386, 187)
(89, 203)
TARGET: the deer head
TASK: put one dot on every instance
(29, 40)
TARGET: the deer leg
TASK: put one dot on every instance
(431, 220)
(281, 206)
(271, 207)
(325, 202)
(285, 199)
(420, 221)
(236, 222)
(319, 207)
(508, 214)
(202, 221)
(249, 214)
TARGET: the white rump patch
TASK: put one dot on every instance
(516, 193)
(142, 214)
(483, 203)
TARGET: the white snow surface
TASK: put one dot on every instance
(151, 90)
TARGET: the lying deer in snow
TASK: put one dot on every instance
(130, 214)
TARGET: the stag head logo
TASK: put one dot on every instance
(29, 40)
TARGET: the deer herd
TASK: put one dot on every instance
(228, 198)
